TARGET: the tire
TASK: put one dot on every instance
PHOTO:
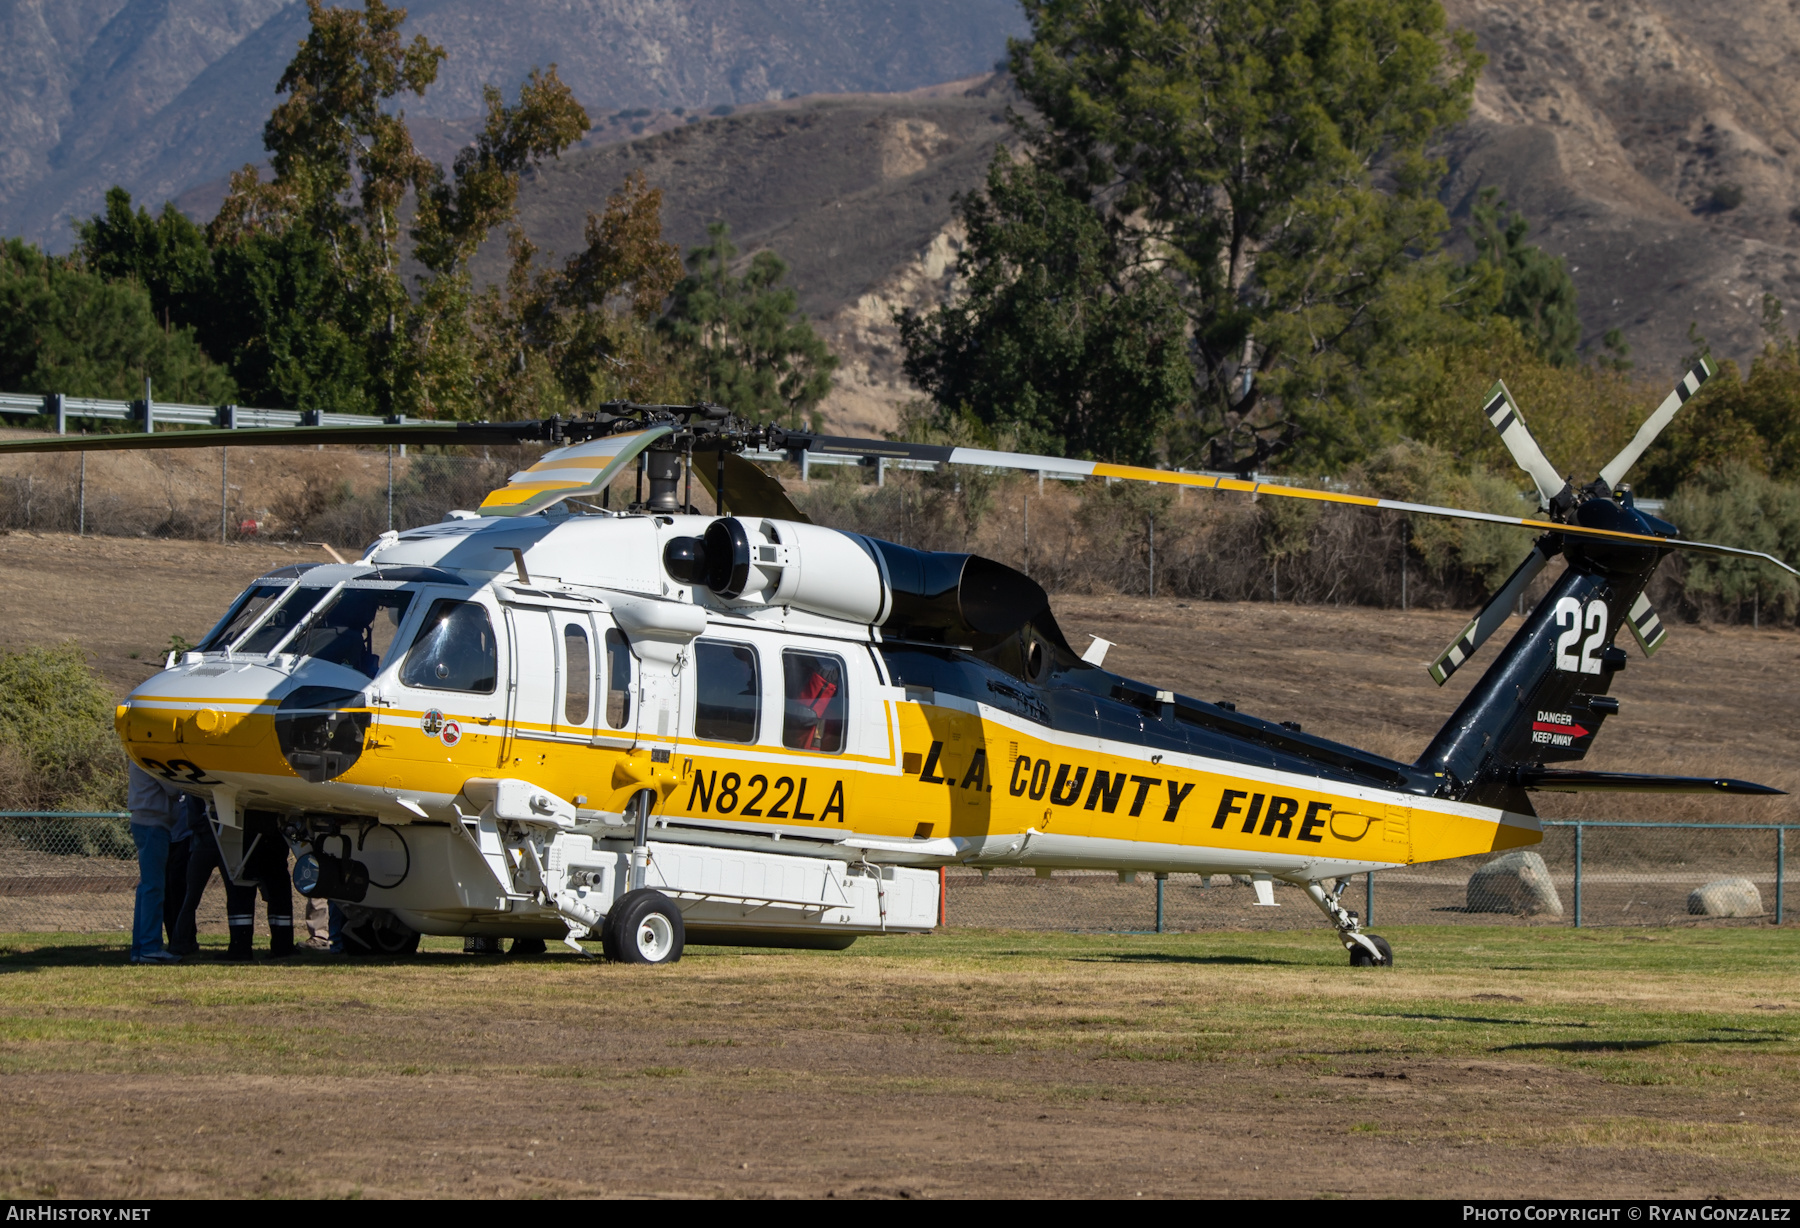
(365, 938)
(644, 927)
(528, 946)
(1360, 957)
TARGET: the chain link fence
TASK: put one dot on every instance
(1595, 874)
(344, 496)
(76, 873)
(72, 873)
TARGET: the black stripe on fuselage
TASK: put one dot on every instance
(1084, 699)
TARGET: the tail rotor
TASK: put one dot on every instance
(1560, 500)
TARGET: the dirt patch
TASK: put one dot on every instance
(121, 598)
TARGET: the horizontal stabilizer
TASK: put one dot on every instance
(1554, 780)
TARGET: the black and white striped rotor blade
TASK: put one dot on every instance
(1495, 612)
(1646, 628)
(1616, 468)
(1503, 412)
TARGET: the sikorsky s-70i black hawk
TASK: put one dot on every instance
(549, 718)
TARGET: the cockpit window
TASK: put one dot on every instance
(248, 608)
(291, 606)
(454, 650)
(357, 629)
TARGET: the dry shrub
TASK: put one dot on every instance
(58, 750)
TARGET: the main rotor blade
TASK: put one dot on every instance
(1615, 469)
(286, 436)
(839, 446)
(573, 472)
(748, 490)
(1503, 412)
(1492, 615)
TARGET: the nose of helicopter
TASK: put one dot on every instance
(207, 718)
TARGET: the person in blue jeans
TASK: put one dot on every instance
(154, 811)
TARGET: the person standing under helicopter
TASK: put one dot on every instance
(264, 868)
(153, 807)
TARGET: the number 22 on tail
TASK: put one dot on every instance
(1569, 615)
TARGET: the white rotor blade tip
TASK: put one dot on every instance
(1503, 412)
(1616, 468)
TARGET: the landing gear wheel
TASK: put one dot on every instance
(644, 927)
(1360, 957)
(369, 939)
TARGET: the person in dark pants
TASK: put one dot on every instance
(190, 817)
(265, 868)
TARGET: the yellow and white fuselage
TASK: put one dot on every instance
(799, 780)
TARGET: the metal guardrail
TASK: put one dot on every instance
(60, 407)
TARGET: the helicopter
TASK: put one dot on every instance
(649, 726)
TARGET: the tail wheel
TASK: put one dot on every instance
(644, 927)
(1361, 958)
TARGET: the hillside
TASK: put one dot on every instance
(1656, 145)
(163, 95)
(855, 193)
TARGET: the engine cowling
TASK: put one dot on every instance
(919, 594)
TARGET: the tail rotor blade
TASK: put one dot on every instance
(1618, 466)
(1503, 412)
(1495, 612)
(1646, 628)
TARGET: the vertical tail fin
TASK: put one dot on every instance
(1545, 698)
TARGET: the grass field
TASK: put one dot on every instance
(1488, 1063)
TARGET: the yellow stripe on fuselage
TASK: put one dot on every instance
(958, 773)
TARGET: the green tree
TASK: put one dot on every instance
(1274, 154)
(58, 750)
(1737, 506)
(1064, 339)
(746, 342)
(1537, 291)
(1736, 421)
(344, 161)
(570, 337)
(269, 305)
(277, 313)
(65, 328)
(167, 254)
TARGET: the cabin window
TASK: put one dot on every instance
(454, 650)
(814, 716)
(618, 680)
(728, 692)
(579, 666)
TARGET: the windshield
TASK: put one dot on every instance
(290, 606)
(357, 629)
(248, 609)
